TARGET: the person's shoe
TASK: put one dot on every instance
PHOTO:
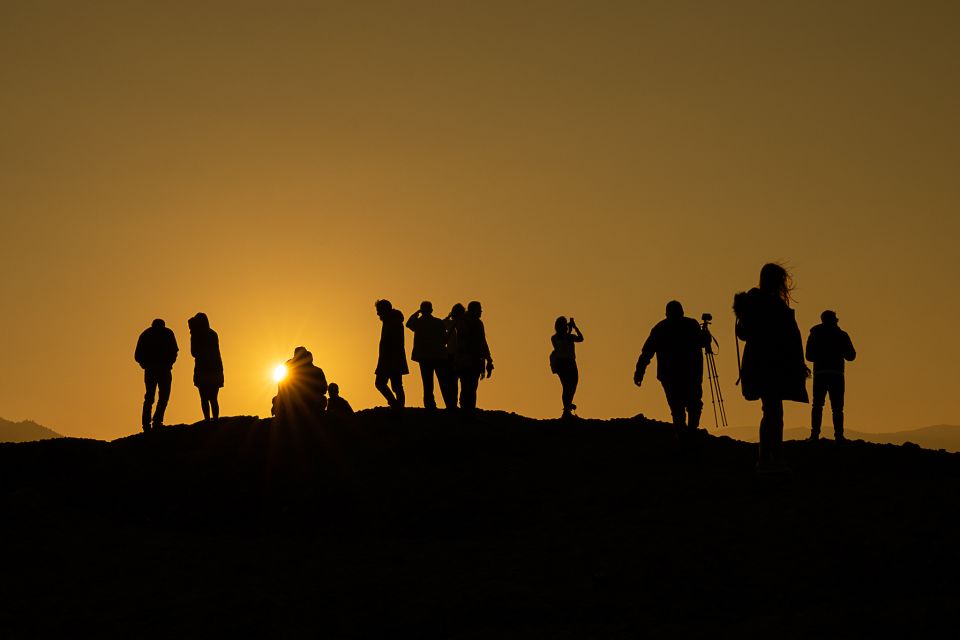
(157, 426)
(814, 437)
(146, 428)
(839, 437)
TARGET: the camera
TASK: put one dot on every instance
(707, 317)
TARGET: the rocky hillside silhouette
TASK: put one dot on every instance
(25, 431)
(946, 437)
(503, 527)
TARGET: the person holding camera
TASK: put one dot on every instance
(678, 343)
(563, 360)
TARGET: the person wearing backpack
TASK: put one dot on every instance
(773, 367)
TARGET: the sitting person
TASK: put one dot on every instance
(337, 406)
(301, 395)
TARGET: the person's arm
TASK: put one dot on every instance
(646, 355)
(576, 335)
(174, 348)
(412, 321)
(485, 348)
(849, 353)
(811, 352)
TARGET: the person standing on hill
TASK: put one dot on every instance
(208, 366)
(155, 353)
(773, 368)
(828, 346)
(678, 343)
(429, 338)
(392, 361)
(447, 371)
(473, 355)
(563, 360)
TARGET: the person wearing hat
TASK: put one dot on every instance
(827, 348)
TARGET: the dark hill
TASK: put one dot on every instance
(504, 527)
(25, 431)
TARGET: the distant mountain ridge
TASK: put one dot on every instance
(941, 436)
(25, 431)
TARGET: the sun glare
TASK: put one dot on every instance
(279, 372)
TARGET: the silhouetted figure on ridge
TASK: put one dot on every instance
(392, 362)
(447, 371)
(301, 395)
(773, 369)
(155, 353)
(563, 360)
(208, 366)
(827, 347)
(429, 348)
(336, 405)
(472, 358)
(678, 343)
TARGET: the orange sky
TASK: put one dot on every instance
(280, 166)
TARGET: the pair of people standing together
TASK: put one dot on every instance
(156, 353)
(454, 350)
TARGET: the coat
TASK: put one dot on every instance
(156, 349)
(392, 360)
(207, 364)
(678, 344)
(429, 338)
(773, 365)
(827, 347)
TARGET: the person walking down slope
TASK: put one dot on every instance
(208, 366)
(828, 346)
(678, 343)
(155, 353)
(429, 351)
(392, 361)
(563, 360)
(773, 368)
(473, 355)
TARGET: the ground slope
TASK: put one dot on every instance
(502, 527)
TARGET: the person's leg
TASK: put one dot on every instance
(816, 413)
(381, 384)
(469, 381)
(447, 380)
(837, 389)
(150, 384)
(427, 369)
(771, 431)
(694, 406)
(676, 402)
(396, 383)
(163, 396)
(204, 402)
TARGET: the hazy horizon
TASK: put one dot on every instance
(281, 166)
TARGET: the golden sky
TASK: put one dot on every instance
(281, 165)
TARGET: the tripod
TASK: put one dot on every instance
(716, 396)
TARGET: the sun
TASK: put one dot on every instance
(279, 372)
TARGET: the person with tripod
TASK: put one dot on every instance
(678, 343)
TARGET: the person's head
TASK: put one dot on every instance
(560, 325)
(457, 311)
(333, 390)
(829, 317)
(674, 309)
(776, 281)
(383, 307)
(201, 322)
(158, 324)
(302, 356)
(426, 307)
(474, 309)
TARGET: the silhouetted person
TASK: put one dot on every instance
(563, 360)
(472, 355)
(827, 348)
(208, 366)
(447, 370)
(678, 344)
(773, 369)
(429, 348)
(301, 395)
(336, 405)
(392, 362)
(155, 353)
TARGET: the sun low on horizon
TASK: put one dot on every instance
(282, 168)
